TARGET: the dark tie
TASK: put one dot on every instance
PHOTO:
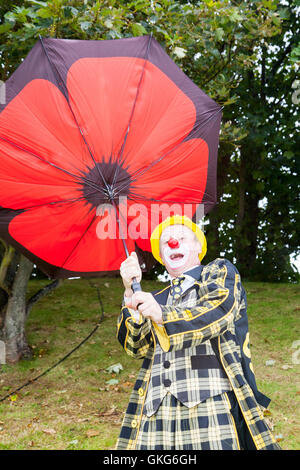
(176, 288)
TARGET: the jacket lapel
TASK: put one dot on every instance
(195, 272)
(162, 295)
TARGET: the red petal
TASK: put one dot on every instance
(180, 177)
(103, 107)
(39, 121)
(66, 236)
(163, 117)
(25, 184)
(102, 93)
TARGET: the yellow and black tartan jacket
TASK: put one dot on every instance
(219, 315)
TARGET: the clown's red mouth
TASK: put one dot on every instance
(176, 256)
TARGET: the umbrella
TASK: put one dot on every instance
(97, 140)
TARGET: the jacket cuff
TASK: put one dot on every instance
(135, 315)
(162, 336)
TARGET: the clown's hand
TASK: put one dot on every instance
(130, 269)
(147, 306)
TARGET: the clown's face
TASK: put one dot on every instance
(179, 249)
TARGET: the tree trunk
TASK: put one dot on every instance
(215, 217)
(247, 219)
(15, 317)
(8, 270)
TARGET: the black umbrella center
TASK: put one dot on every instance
(105, 182)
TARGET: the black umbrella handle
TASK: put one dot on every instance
(135, 286)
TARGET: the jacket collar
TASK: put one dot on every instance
(195, 272)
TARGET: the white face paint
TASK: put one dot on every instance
(176, 257)
(185, 255)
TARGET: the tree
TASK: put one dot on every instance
(15, 272)
(215, 42)
(260, 203)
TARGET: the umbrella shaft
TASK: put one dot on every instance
(125, 247)
(136, 286)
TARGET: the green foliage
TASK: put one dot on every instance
(217, 36)
(260, 214)
(242, 54)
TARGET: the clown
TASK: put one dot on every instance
(196, 388)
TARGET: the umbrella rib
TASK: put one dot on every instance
(40, 158)
(120, 228)
(133, 109)
(57, 74)
(135, 197)
(89, 226)
(62, 201)
(136, 187)
(80, 178)
(138, 173)
(77, 243)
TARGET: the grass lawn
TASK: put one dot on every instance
(80, 404)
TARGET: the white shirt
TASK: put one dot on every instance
(185, 285)
(188, 280)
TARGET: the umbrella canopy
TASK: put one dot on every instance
(94, 137)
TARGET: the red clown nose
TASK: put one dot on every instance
(173, 243)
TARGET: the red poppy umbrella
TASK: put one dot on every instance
(94, 137)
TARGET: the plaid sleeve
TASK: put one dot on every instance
(216, 309)
(135, 336)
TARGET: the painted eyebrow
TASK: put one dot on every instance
(164, 239)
